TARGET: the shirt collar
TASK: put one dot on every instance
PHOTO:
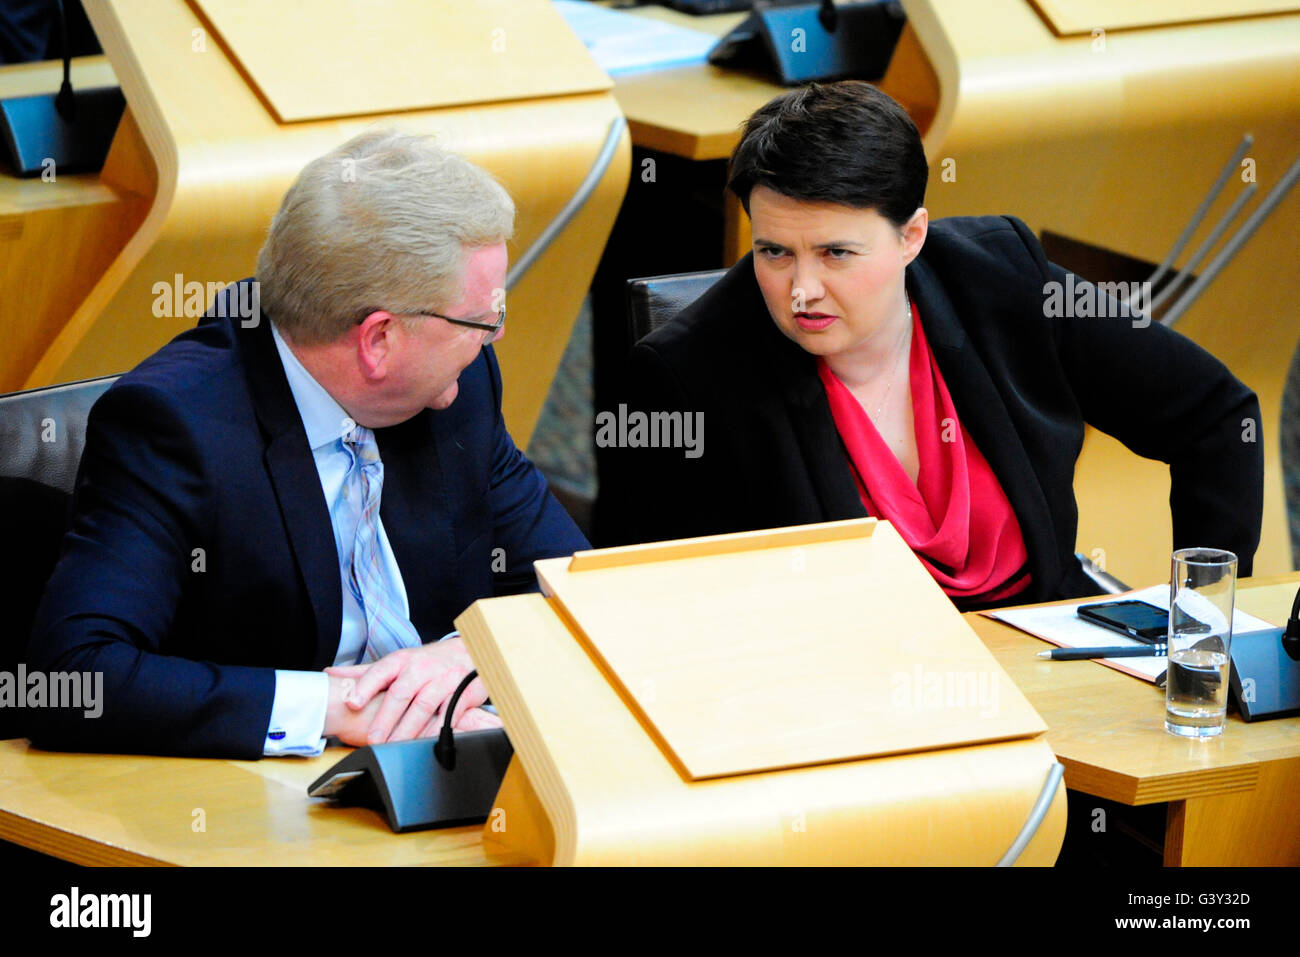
(323, 418)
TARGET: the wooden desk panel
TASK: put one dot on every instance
(1108, 728)
(497, 50)
(216, 164)
(56, 237)
(696, 112)
(1229, 797)
(708, 669)
(132, 810)
(1084, 16)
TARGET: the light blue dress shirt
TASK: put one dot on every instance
(301, 697)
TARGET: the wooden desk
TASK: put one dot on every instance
(690, 111)
(201, 161)
(1230, 799)
(57, 237)
(697, 112)
(129, 810)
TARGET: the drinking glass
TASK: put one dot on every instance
(1202, 588)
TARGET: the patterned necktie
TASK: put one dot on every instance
(387, 629)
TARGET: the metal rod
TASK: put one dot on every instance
(1036, 815)
(1203, 250)
(584, 191)
(1186, 235)
(1239, 238)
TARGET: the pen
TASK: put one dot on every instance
(1083, 654)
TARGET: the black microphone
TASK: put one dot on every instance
(445, 749)
(47, 134)
(828, 16)
(65, 103)
(1291, 637)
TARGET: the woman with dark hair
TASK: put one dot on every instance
(863, 361)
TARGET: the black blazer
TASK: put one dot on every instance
(1023, 385)
(201, 554)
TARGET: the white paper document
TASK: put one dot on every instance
(1062, 626)
(623, 43)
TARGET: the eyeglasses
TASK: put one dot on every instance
(490, 329)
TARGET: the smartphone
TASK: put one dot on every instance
(1136, 619)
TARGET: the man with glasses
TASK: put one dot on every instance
(279, 515)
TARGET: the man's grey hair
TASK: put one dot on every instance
(382, 222)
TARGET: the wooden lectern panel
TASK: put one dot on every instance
(319, 59)
(589, 786)
(706, 638)
(1083, 16)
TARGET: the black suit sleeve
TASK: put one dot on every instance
(665, 491)
(1168, 399)
(110, 605)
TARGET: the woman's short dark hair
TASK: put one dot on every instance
(845, 143)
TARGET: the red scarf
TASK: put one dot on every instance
(956, 518)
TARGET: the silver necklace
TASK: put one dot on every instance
(907, 303)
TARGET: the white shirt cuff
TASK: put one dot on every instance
(298, 714)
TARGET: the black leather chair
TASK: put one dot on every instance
(654, 300)
(42, 434)
(650, 303)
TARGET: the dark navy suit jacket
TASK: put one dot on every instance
(201, 554)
